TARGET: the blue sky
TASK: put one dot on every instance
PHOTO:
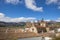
(47, 9)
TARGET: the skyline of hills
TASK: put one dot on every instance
(20, 24)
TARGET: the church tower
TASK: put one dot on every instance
(42, 23)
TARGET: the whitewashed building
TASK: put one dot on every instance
(31, 29)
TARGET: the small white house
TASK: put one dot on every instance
(31, 29)
(58, 30)
(52, 31)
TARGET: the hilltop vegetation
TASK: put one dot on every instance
(12, 24)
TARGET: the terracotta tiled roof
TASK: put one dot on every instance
(39, 26)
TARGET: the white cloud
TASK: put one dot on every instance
(58, 20)
(32, 5)
(28, 3)
(1, 15)
(12, 1)
(56, 2)
(20, 19)
(47, 20)
(58, 7)
(51, 1)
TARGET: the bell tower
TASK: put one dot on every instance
(42, 23)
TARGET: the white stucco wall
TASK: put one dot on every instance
(31, 29)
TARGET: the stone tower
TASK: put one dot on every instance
(42, 23)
